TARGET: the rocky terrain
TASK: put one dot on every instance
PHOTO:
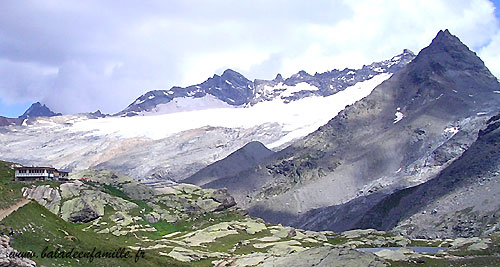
(185, 225)
(175, 157)
(234, 89)
(405, 176)
(404, 133)
(6, 250)
(174, 140)
(460, 201)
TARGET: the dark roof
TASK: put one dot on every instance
(33, 168)
(38, 168)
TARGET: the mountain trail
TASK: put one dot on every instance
(6, 212)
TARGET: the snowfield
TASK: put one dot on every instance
(298, 118)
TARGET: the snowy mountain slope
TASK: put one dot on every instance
(400, 135)
(182, 130)
(234, 89)
(171, 145)
(231, 88)
(298, 118)
(302, 84)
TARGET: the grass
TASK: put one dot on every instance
(36, 228)
(10, 192)
(119, 193)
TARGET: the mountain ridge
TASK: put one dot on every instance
(38, 110)
(234, 89)
(398, 136)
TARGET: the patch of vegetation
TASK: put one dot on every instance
(10, 192)
(36, 228)
(109, 189)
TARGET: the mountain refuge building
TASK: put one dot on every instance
(40, 174)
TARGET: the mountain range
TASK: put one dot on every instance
(234, 89)
(185, 129)
(337, 150)
(410, 132)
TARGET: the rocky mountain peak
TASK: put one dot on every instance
(447, 49)
(229, 73)
(38, 110)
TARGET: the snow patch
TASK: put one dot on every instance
(451, 130)
(138, 102)
(297, 118)
(184, 104)
(289, 90)
(399, 116)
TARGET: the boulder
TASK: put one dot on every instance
(223, 197)
(45, 195)
(6, 250)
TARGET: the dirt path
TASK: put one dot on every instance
(6, 212)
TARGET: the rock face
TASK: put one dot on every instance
(234, 89)
(81, 204)
(45, 195)
(231, 87)
(242, 159)
(4, 121)
(408, 129)
(38, 110)
(460, 201)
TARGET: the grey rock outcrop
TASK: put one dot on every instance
(11, 257)
(320, 256)
(45, 195)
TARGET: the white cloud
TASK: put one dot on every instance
(81, 56)
(491, 56)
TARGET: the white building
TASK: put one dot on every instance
(40, 174)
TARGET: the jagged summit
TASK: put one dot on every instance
(232, 88)
(38, 110)
(447, 49)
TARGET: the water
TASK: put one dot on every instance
(429, 250)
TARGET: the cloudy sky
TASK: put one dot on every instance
(79, 56)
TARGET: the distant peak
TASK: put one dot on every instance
(38, 110)
(408, 51)
(278, 77)
(230, 72)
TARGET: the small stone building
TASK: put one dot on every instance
(40, 174)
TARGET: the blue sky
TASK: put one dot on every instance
(80, 56)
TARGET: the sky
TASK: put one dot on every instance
(80, 56)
